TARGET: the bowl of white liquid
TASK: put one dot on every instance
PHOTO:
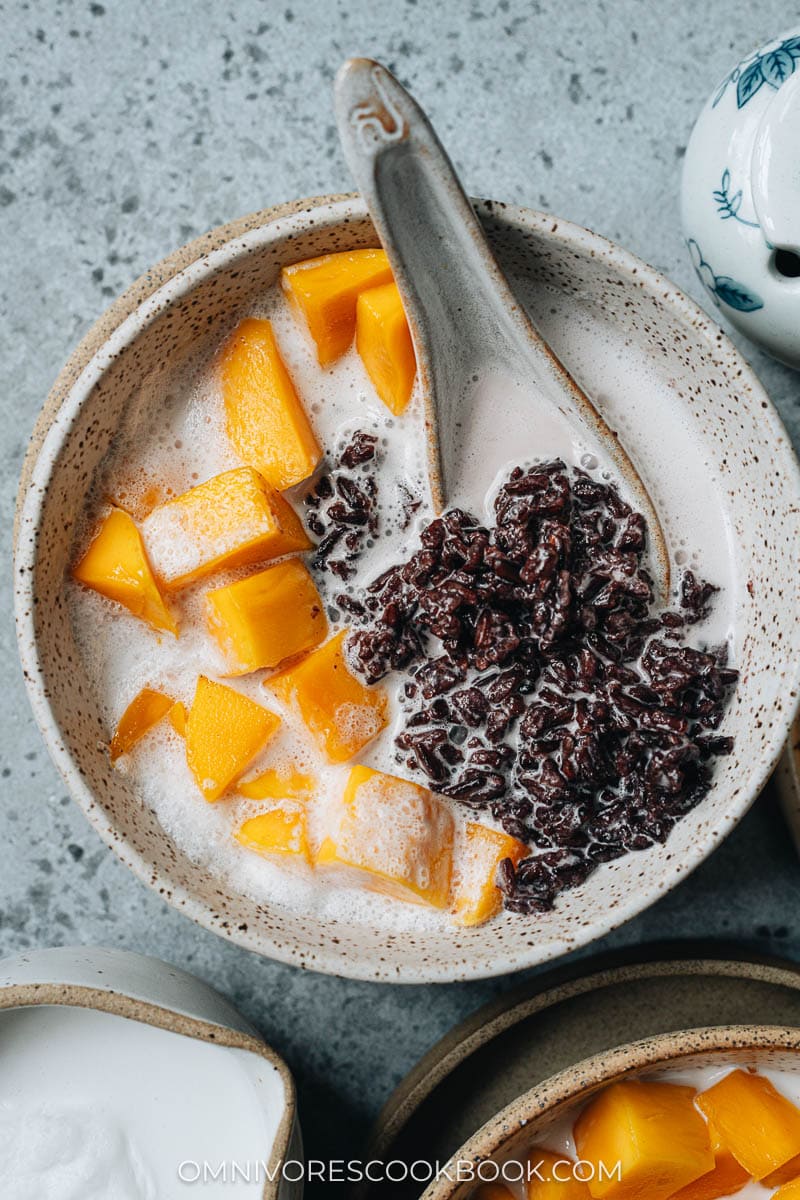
(139, 404)
(123, 1076)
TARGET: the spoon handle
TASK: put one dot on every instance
(447, 275)
(463, 315)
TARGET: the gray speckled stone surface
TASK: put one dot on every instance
(129, 128)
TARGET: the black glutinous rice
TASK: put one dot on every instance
(542, 686)
(341, 509)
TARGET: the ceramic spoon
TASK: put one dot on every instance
(475, 345)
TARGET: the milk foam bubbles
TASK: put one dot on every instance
(53, 1153)
(172, 436)
(356, 722)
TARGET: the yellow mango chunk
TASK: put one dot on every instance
(265, 419)
(551, 1176)
(144, 711)
(280, 831)
(383, 341)
(232, 520)
(788, 1173)
(393, 837)
(224, 732)
(339, 710)
(789, 1191)
(177, 718)
(654, 1132)
(324, 291)
(476, 896)
(273, 785)
(726, 1178)
(759, 1126)
(267, 617)
(116, 565)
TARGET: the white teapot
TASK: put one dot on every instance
(740, 197)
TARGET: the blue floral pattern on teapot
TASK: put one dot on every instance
(772, 67)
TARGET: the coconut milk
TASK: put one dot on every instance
(93, 1105)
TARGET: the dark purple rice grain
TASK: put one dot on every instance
(411, 505)
(360, 450)
(544, 622)
(343, 507)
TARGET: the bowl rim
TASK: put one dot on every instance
(567, 1087)
(116, 327)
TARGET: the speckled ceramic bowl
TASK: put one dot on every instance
(526, 1121)
(595, 303)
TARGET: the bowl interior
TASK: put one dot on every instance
(602, 310)
(528, 1121)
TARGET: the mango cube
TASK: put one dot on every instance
(267, 617)
(393, 837)
(224, 732)
(144, 711)
(788, 1191)
(339, 710)
(476, 896)
(177, 717)
(265, 419)
(116, 565)
(726, 1178)
(280, 831)
(759, 1126)
(654, 1132)
(275, 785)
(383, 341)
(788, 1173)
(552, 1176)
(232, 520)
(324, 292)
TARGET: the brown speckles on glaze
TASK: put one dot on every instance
(223, 272)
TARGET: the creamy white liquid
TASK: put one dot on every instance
(175, 437)
(97, 1107)
(559, 1137)
(638, 396)
(502, 423)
